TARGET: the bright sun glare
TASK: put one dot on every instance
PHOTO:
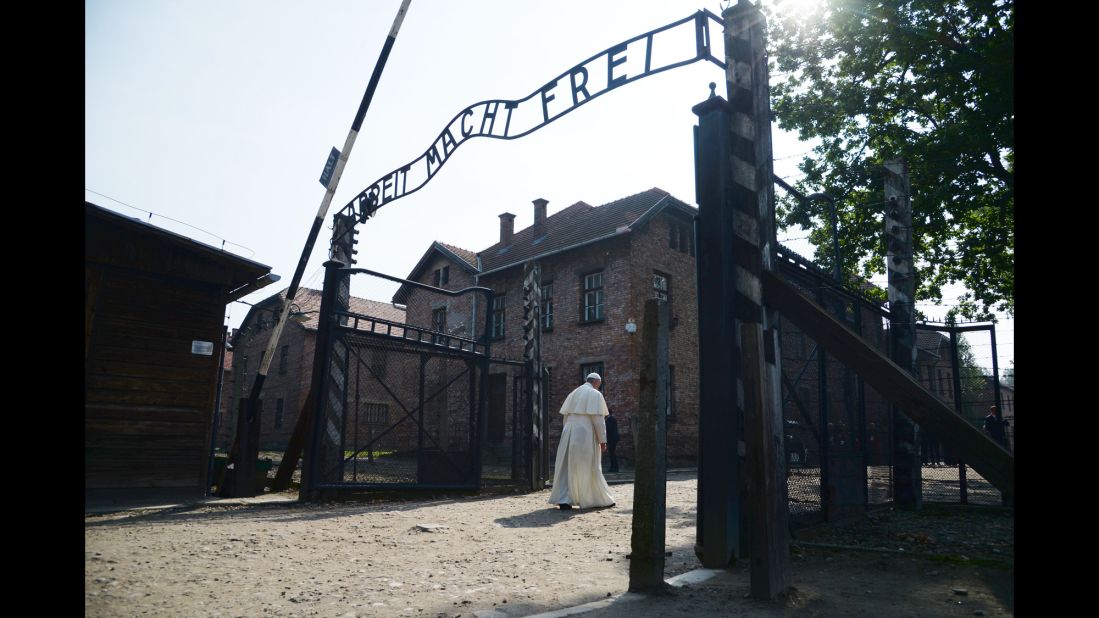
(799, 8)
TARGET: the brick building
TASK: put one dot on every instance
(599, 265)
(289, 376)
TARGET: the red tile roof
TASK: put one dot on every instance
(468, 256)
(308, 303)
(579, 224)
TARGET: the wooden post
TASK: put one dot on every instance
(745, 195)
(650, 448)
(907, 483)
(759, 381)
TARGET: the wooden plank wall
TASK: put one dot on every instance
(148, 404)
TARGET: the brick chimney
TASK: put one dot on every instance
(539, 217)
(507, 228)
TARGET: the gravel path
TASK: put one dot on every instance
(510, 555)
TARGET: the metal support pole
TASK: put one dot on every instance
(532, 354)
(720, 447)
(1006, 499)
(826, 486)
(956, 383)
(863, 437)
(997, 397)
(321, 441)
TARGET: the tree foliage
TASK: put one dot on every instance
(930, 81)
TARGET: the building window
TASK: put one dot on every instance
(498, 317)
(547, 306)
(441, 276)
(438, 319)
(283, 358)
(662, 288)
(593, 297)
(438, 323)
(681, 237)
(376, 413)
(593, 368)
(278, 414)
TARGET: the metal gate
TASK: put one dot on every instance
(838, 431)
(508, 435)
(947, 365)
(402, 403)
(413, 403)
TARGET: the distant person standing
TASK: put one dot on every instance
(578, 472)
(612, 440)
(994, 426)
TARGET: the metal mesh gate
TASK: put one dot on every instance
(955, 363)
(407, 404)
(838, 431)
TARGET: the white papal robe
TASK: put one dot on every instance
(578, 474)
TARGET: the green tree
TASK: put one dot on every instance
(931, 81)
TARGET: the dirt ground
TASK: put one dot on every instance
(514, 555)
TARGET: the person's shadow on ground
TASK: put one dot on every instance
(542, 518)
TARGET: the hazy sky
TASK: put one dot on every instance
(221, 115)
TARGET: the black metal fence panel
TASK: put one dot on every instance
(417, 403)
(954, 363)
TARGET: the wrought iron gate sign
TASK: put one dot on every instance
(616, 66)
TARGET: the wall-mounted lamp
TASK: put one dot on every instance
(631, 327)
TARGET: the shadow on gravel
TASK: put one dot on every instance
(542, 518)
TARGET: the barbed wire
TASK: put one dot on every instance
(151, 213)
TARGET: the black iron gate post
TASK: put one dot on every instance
(532, 354)
(826, 486)
(956, 383)
(320, 447)
(864, 450)
(1006, 499)
(720, 444)
(480, 440)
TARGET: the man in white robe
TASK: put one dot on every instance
(578, 475)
